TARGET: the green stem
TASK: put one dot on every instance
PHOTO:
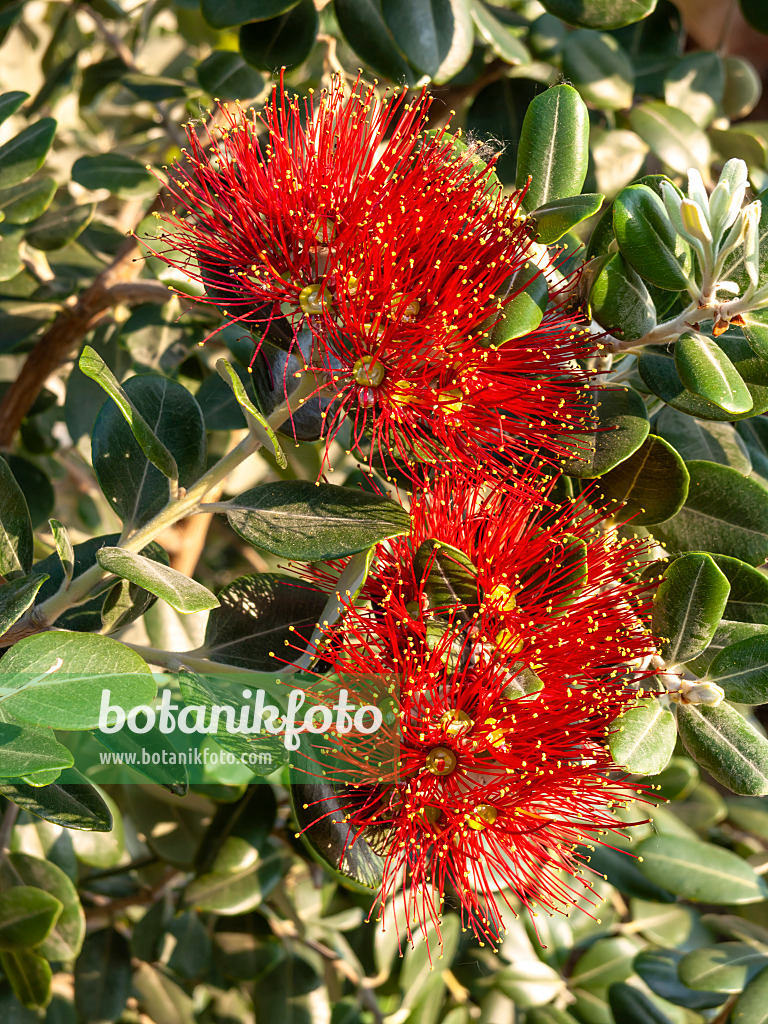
(177, 508)
(174, 660)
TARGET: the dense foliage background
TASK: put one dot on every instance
(171, 908)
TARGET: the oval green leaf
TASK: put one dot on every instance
(619, 419)
(727, 746)
(554, 147)
(742, 670)
(642, 739)
(688, 606)
(700, 872)
(651, 485)
(727, 967)
(647, 239)
(600, 69)
(706, 371)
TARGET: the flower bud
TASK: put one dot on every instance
(694, 221)
(696, 190)
(701, 692)
(751, 218)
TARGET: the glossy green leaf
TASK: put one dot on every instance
(702, 439)
(656, 365)
(153, 88)
(606, 14)
(752, 1005)
(724, 743)
(136, 489)
(286, 40)
(605, 962)
(363, 25)
(622, 871)
(727, 967)
(620, 302)
(748, 599)
(301, 520)
(652, 484)
(500, 37)
(253, 416)
(241, 890)
(102, 977)
(122, 175)
(619, 419)
(523, 313)
(742, 670)
(756, 331)
(694, 84)
(631, 1006)
(66, 937)
(672, 136)
(688, 605)
(754, 433)
(27, 201)
(554, 147)
(658, 969)
(56, 679)
(529, 982)
(15, 526)
(727, 634)
(741, 89)
(59, 226)
(181, 592)
(29, 975)
(600, 69)
(262, 621)
(27, 916)
(647, 239)
(225, 75)
(706, 371)
(449, 576)
(552, 220)
(24, 154)
(10, 103)
(426, 31)
(10, 254)
(16, 596)
(677, 780)
(71, 805)
(700, 872)
(724, 513)
(642, 739)
(26, 750)
(227, 13)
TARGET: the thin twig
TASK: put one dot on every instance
(6, 828)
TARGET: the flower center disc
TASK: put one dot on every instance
(368, 372)
(441, 761)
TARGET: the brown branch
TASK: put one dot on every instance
(62, 339)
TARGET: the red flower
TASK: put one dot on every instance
(395, 248)
(472, 792)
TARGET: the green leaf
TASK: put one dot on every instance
(748, 599)
(306, 521)
(620, 302)
(658, 969)
(694, 84)
(554, 147)
(64, 549)
(71, 805)
(623, 872)
(262, 621)
(600, 69)
(647, 239)
(15, 527)
(153, 87)
(652, 484)
(427, 30)
(136, 489)
(606, 14)
(122, 175)
(500, 37)
(28, 200)
(656, 365)
(752, 1005)
(10, 255)
(554, 219)
(742, 88)
(725, 513)
(523, 313)
(756, 331)
(59, 226)
(754, 433)
(10, 103)
(619, 419)
(93, 366)
(706, 371)
(29, 975)
(225, 75)
(631, 1006)
(529, 982)
(102, 977)
(449, 576)
(24, 154)
(688, 606)
(363, 25)
(25, 750)
(642, 739)
(36, 487)
(701, 439)
(755, 14)
(727, 967)
(727, 746)
(227, 13)
(606, 961)
(239, 891)
(726, 634)
(66, 938)
(742, 670)
(56, 679)
(181, 592)
(678, 779)
(283, 41)
(16, 596)
(672, 136)
(27, 916)
(253, 417)
(701, 872)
